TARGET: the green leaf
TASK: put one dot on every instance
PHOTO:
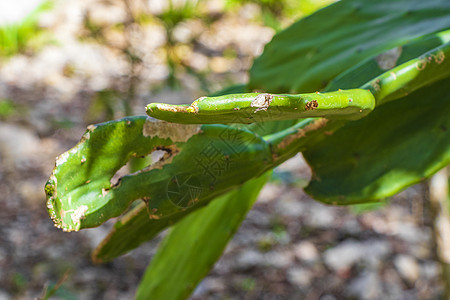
(365, 71)
(314, 50)
(257, 107)
(397, 145)
(190, 250)
(199, 164)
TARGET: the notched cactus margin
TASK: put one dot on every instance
(78, 190)
(260, 107)
(200, 163)
(52, 193)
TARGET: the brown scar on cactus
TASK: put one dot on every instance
(311, 105)
(153, 217)
(421, 64)
(262, 102)
(439, 57)
(193, 108)
(302, 132)
(152, 212)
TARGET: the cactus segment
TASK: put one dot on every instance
(400, 143)
(260, 107)
(411, 75)
(200, 163)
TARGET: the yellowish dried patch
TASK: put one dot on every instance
(302, 132)
(439, 57)
(192, 109)
(193, 201)
(421, 64)
(104, 192)
(164, 130)
(78, 215)
(171, 108)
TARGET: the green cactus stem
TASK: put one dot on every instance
(411, 75)
(260, 107)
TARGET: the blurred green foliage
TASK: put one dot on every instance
(58, 289)
(277, 14)
(19, 282)
(365, 207)
(248, 284)
(25, 35)
(6, 108)
(173, 15)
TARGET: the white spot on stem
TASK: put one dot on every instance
(262, 102)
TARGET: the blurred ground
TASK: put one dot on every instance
(289, 247)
